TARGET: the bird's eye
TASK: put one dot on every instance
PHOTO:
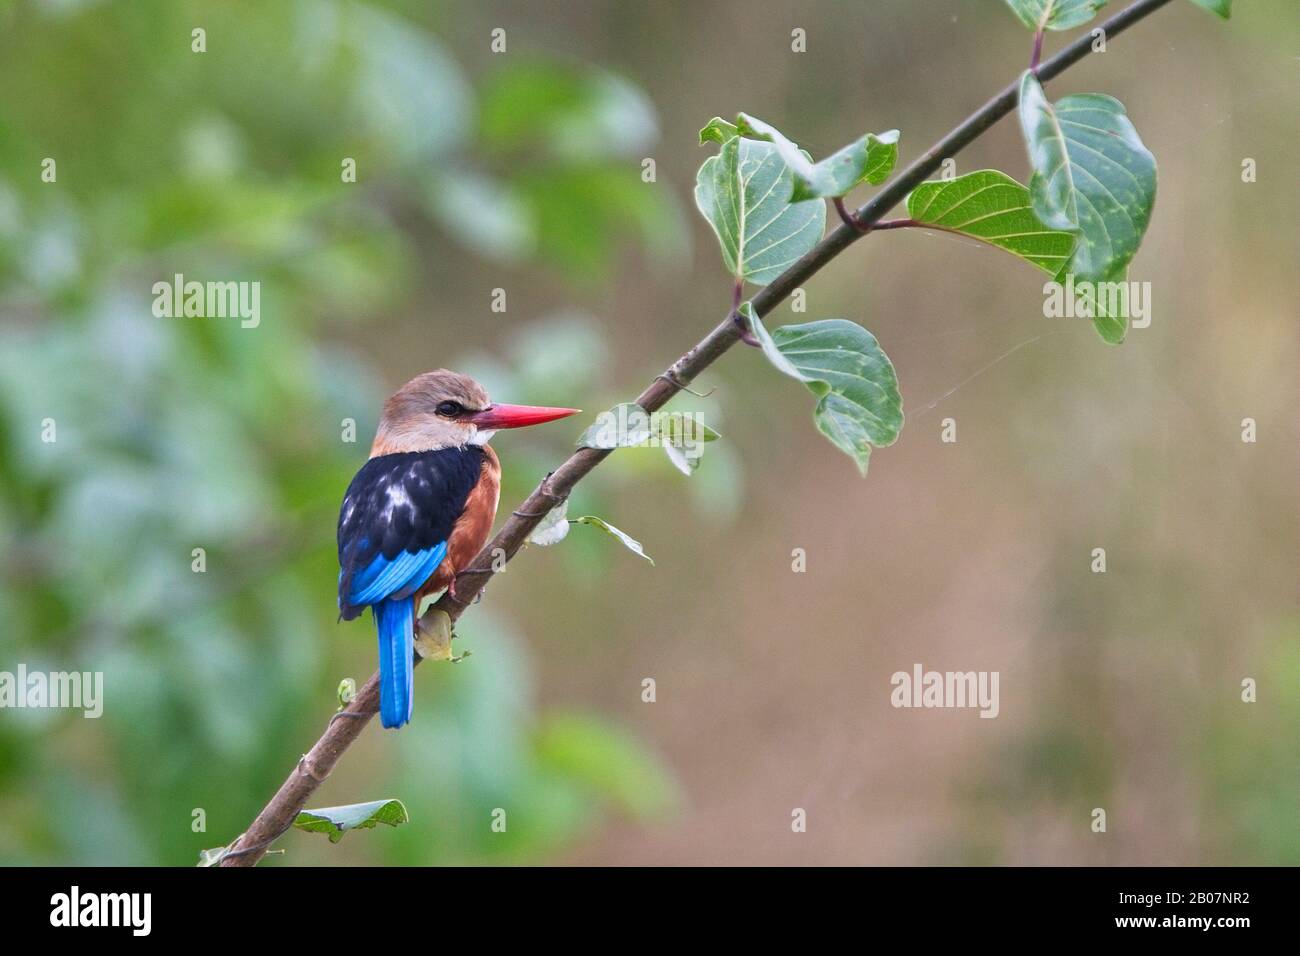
(449, 409)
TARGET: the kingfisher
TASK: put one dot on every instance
(418, 512)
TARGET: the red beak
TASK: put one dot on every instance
(517, 416)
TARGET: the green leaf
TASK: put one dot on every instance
(347, 692)
(623, 426)
(335, 821)
(679, 427)
(631, 543)
(681, 435)
(994, 208)
(1092, 175)
(1222, 7)
(718, 130)
(1055, 14)
(859, 404)
(880, 155)
(744, 193)
(869, 159)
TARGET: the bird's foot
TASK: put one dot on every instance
(433, 636)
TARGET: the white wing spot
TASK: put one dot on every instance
(397, 498)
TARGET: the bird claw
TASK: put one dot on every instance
(433, 635)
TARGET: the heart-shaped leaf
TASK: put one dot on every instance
(1092, 175)
(1055, 14)
(744, 193)
(1222, 7)
(994, 208)
(335, 821)
(869, 159)
(859, 404)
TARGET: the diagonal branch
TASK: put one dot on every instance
(278, 815)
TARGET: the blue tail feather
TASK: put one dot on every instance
(395, 621)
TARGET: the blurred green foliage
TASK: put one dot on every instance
(176, 434)
(1251, 768)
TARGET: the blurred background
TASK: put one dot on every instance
(522, 171)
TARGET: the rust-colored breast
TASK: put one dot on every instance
(471, 530)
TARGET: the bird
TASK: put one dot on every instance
(417, 512)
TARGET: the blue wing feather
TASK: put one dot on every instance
(397, 578)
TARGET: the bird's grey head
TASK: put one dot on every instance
(433, 410)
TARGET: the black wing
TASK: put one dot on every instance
(395, 520)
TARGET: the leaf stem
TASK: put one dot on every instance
(746, 333)
(914, 224)
(1038, 50)
(555, 487)
(847, 217)
(900, 224)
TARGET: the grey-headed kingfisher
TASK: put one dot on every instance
(417, 513)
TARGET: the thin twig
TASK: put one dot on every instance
(278, 815)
